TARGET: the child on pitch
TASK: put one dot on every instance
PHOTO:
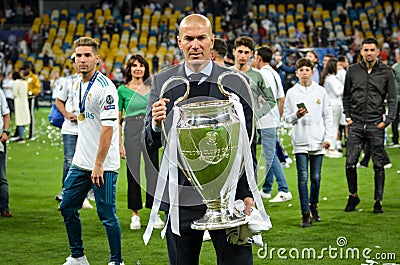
(307, 108)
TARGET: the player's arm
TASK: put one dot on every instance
(104, 146)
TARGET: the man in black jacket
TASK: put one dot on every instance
(196, 41)
(367, 85)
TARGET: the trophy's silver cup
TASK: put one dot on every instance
(208, 136)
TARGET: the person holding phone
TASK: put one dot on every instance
(308, 110)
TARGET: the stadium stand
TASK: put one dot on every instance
(150, 32)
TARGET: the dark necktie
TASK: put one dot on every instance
(197, 77)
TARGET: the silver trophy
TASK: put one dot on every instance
(208, 136)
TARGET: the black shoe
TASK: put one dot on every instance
(352, 203)
(314, 213)
(6, 214)
(378, 207)
(306, 220)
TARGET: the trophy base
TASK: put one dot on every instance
(220, 222)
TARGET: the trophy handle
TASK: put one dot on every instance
(219, 83)
(228, 94)
(172, 79)
(221, 87)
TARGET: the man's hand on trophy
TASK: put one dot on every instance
(159, 111)
(249, 202)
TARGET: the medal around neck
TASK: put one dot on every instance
(81, 116)
(208, 136)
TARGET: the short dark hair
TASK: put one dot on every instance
(370, 41)
(244, 41)
(342, 58)
(266, 53)
(220, 46)
(16, 75)
(304, 62)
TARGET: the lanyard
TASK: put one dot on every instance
(82, 102)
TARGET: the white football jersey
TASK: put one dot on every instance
(68, 95)
(101, 109)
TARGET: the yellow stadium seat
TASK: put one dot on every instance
(115, 38)
(272, 8)
(300, 8)
(281, 9)
(64, 12)
(89, 15)
(262, 10)
(107, 13)
(80, 30)
(97, 13)
(71, 27)
(80, 15)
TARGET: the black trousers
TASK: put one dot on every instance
(359, 134)
(135, 151)
(185, 249)
(367, 156)
(31, 103)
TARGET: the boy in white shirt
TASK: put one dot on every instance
(307, 108)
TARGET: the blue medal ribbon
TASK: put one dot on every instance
(82, 101)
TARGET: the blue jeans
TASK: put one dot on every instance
(302, 178)
(359, 134)
(76, 186)
(269, 137)
(3, 181)
(69, 142)
(21, 131)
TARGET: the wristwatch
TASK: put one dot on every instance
(6, 132)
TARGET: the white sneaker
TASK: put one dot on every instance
(86, 204)
(282, 197)
(113, 263)
(90, 195)
(333, 154)
(339, 145)
(158, 224)
(135, 222)
(388, 165)
(206, 236)
(265, 195)
(76, 261)
(58, 197)
(14, 138)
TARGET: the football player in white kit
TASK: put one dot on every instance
(96, 160)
